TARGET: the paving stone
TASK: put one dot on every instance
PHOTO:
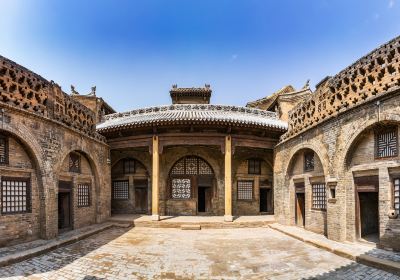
(158, 253)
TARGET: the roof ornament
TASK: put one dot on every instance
(73, 91)
(174, 86)
(207, 86)
(93, 92)
(307, 85)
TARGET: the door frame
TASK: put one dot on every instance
(299, 189)
(69, 191)
(361, 186)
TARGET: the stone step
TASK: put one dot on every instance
(191, 227)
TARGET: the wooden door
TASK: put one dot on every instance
(300, 209)
(141, 200)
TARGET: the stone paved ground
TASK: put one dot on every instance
(151, 253)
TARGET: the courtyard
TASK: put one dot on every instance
(160, 253)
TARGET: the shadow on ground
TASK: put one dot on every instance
(63, 256)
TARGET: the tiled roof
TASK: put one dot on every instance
(193, 114)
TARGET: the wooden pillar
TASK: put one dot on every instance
(155, 177)
(228, 179)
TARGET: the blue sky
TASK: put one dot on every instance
(133, 51)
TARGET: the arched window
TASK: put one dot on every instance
(187, 174)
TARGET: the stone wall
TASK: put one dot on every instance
(345, 148)
(44, 125)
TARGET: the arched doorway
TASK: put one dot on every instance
(130, 191)
(21, 210)
(308, 192)
(371, 161)
(77, 193)
(191, 178)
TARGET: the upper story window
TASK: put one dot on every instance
(254, 166)
(74, 163)
(309, 161)
(3, 149)
(386, 142)
(129, 166)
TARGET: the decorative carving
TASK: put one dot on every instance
(374, 74)
(23, 89)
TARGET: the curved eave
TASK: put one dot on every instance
(165, 123)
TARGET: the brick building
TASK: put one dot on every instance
(327, 160)
(53, 163)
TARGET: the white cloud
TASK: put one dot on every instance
(391, 3)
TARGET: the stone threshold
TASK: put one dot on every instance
(360, 253)
(39, 247)
(198, 222)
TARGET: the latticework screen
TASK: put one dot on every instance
(318, 196)
(15, 195)
(74, 163)
(191, 166)
(309, 161)
(83, 195)
(3, 150)
(129, 166)
(120, 190)
(181, 188)
(254, 166)
(397, 195)
(386, 143)
(245, 190)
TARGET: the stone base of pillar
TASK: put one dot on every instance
(155, 217)
(228, 218)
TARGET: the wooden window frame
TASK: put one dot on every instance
(113, 193)
(28, 195)
(394, 196)
(72, 168)
(256, 168)
(252, 190)
(6, 151)
(308, 154)
(312, 197)
(130, 161)
(379, 131)
(89, 195)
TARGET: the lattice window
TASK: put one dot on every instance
(309, 161)
(204, 168)
(386, 143)
(3, 150)
(181, 188)
(129, 166)
(254, 166)
(179, 168)
(191, 166)
(120, 190)
(74, 163)
(318, 196)
(397, 195)
(15, 195)
(245, 190)
(83, 195)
